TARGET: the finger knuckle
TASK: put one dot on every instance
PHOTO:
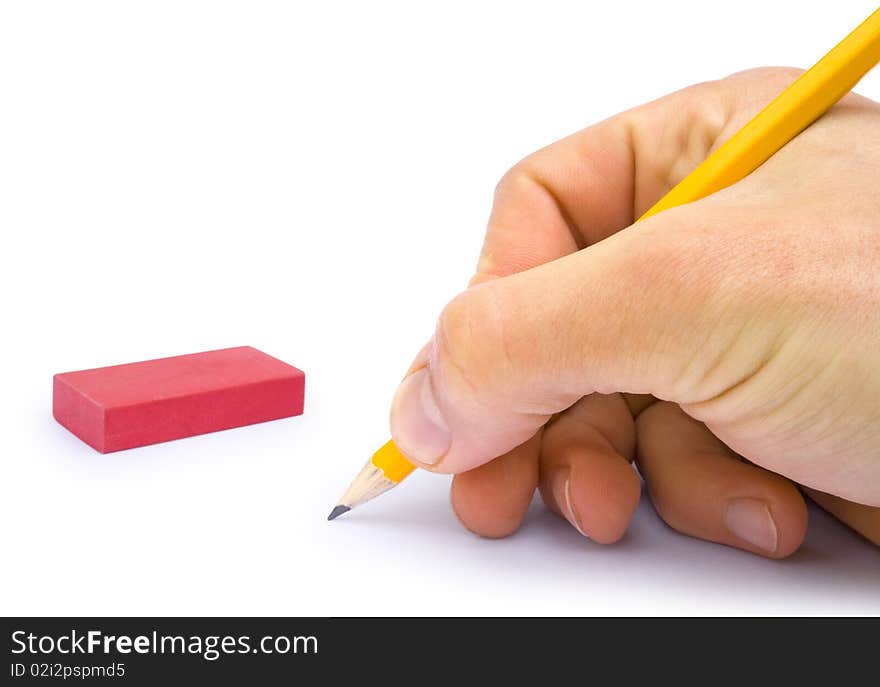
(513, 179)
(671, 510)
(782, 75)
(470, 343)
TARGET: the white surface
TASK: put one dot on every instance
(312, 179)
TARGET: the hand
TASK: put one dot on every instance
(751, 319)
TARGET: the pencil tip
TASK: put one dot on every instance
(336, 512)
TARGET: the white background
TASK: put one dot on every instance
(313, 179)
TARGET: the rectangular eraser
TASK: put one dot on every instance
(123, 406)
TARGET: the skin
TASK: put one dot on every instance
(730, 348)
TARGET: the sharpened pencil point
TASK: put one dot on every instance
(336, 512)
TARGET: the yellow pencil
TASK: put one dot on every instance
(793, 110)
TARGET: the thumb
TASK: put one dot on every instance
(648, 310)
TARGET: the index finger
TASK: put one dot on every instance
(589, 185)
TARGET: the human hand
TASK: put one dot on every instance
(751, 318)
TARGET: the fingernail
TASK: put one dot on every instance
(750, 520)
(417, 425)
(562, 494)
(572, 515)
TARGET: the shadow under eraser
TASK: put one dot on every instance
(124, 406)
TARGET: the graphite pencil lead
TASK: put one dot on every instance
(336, 512)
(369, 483)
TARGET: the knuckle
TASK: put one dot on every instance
(470, 343)
(513, 179)
(780, 75)
(708, 113)
(670, 511)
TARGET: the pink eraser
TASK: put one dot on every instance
(123, 406)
